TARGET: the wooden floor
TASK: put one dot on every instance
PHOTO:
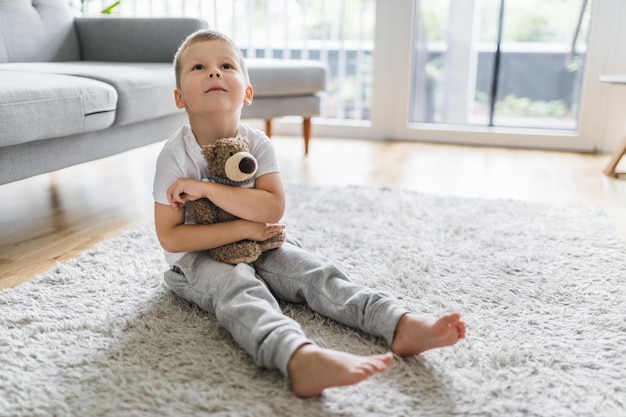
(54, 217)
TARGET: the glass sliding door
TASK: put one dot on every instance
(543, 93)
(512, 63)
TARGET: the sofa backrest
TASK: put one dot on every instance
(37, 30)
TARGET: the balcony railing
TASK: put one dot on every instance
(339, 33)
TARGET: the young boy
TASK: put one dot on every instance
(212, 86)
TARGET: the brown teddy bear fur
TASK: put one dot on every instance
(240, 172)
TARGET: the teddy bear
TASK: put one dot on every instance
(230, 162)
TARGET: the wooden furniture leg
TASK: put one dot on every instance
(306, 131)
(615, 158)
(268, 128)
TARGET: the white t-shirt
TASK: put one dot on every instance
(181, 156)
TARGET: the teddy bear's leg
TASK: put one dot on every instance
(243, 252)
(274, 242)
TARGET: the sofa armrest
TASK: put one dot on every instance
(133, 39)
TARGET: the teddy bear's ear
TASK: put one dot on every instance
(208, 151)
(242, 144)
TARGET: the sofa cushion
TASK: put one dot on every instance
(37, 30)
(42, 106)
(145, 90)
(286, 77)
(124, 39)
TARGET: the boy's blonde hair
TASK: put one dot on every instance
(204, 35)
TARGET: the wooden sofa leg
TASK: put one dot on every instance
(306, 133)
(268, 127)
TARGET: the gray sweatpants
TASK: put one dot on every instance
(243, 298)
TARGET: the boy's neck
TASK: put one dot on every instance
(209, 129)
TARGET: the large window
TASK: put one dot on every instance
(491, 72)
(516, 63)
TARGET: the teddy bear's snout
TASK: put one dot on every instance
(241, 166)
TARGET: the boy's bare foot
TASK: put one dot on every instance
(313, 369)
(416, 334)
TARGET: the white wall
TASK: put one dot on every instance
(603, 111)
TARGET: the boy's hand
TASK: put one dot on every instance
(264, 231)
(183, 190)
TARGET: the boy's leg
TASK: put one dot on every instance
(296, 275)
(242, 304)
(299, 276)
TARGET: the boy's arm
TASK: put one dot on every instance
(264, 205)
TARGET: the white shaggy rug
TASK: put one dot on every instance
(542, 289)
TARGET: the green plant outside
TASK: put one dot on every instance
(512, 105)
(110, 9)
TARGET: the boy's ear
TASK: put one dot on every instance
(178, 98)
(247, 99)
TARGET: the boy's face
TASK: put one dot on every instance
(211, 79)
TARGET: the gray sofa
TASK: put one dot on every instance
(74, 90)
